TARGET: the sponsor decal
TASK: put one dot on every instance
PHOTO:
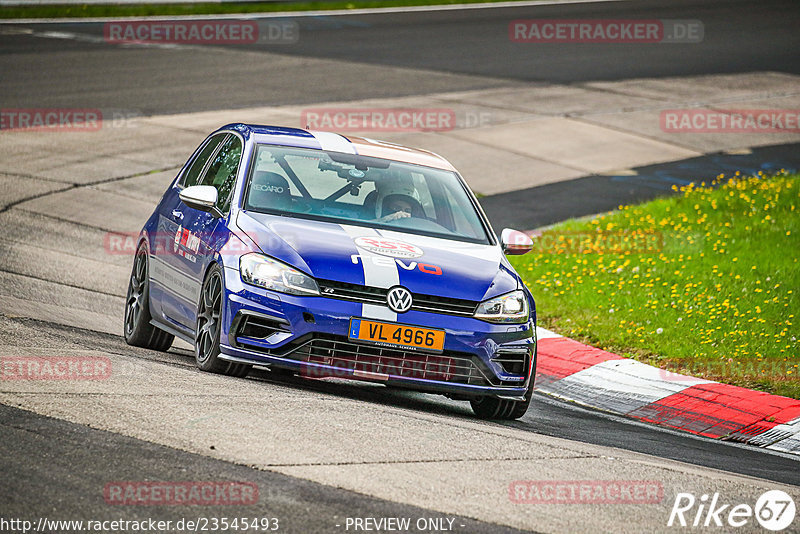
(427, 268)
(186, 244)
(385, 246)
(268, 188)
(174, 280)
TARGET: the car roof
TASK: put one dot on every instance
(330, 141)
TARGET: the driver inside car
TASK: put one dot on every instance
(397, 199)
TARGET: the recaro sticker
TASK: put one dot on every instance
(385, 246)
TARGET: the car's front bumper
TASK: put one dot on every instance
(309, 335)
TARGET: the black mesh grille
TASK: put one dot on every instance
(513, 362)
(377, 295)
(373, 359)
(259, 327)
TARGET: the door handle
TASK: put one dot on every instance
(177, 214)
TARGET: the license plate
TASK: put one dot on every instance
(397, 335)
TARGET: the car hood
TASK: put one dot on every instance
(381, 258)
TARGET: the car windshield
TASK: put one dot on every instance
(360, 190)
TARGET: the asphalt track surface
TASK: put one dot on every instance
(77, 462)
(410, 53)
(546, 416)
(345, 58)
(356, 56)
(548, 204)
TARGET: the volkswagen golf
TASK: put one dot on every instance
(329, 256)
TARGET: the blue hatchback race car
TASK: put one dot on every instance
(329, 256)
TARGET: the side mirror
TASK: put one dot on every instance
(200, 197)
(515, 242)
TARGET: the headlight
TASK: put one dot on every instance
(509, 308)
(271, 274)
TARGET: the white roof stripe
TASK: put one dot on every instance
(333, 142)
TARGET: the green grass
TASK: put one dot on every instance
(703, 283)
(79, 10)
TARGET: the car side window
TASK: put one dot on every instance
(193, 172)
(221, 172)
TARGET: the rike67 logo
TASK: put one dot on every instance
(774, 510)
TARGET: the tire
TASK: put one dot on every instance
(503, 409)
(137, 328)
(208, 329)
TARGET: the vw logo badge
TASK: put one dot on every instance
(399, 299)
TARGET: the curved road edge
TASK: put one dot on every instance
(592, 377)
